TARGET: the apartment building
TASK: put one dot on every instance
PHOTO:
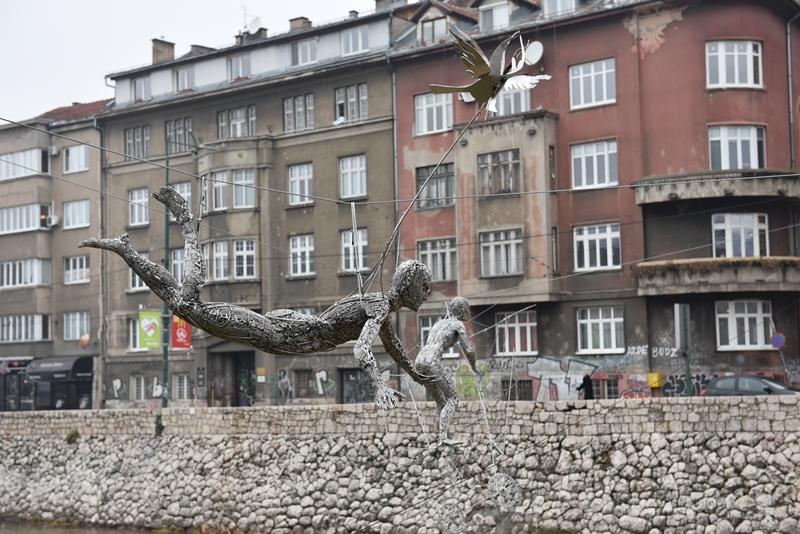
(50, 290)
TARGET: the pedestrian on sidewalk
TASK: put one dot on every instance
(586, 386)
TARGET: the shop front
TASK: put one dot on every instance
(16, 389)
(62, 383)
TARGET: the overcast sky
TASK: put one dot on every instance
(56, 52)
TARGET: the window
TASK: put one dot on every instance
(177, 263)
(301, 184)
(76, 270)
(137, 142)
(433, 113)
(426, 323)
(601, 330)
(736, 147)
(354, 251)
(133, 335)
(244, 258)
(76, 159)
(351, 103)
(184, 189)
(353, 176)
(733, 64)
(76, 214)
(612, 388)
(244, 193)
(555, 7)
(592, 84)
(237, 122)
(23, 163)
(738, 235)
(355, 40)
(433, 30)
(744, 324)
(594, 165)
(219, 191)
(238, 67)
(301, 255)
(304, 52)
(141, 88)
(501, 253)
(441, 258)
(24, 328)
(597, 247)
(494, 16)
(23, 218)
(184, 78)
(138, 388)
(75, 325)
(179, 137)
(136, 283)
(220, 260)
(304, 383)
(180, 386)
(516, 333)
(138, 207)
(516, 390)
(22, 273)
(440, 189)
(298, 113)
(512, 101)
(498, 172)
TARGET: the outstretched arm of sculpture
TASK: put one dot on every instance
(385, 397)
(395, 348)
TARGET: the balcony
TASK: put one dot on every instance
(715, 184)
(718, 275)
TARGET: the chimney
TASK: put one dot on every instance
(299, 23)
(381, 5)
(163, 51)
(247, 37)
(353, 14)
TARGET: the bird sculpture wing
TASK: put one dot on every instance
(470, 53)
(497, 64)
(523, 81)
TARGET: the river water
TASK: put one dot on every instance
(28, 528)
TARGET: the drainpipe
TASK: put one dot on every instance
(99, 368)
(792, 148)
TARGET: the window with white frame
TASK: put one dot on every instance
(494, 15)
(23, 163)
(177, 263)
(736, 147)
(244, 258)
(138, 388)
(433, 113)
(592, 84)
(597, 247)
(76, 270)
(133, 335)
(24, 328)
(499, 172)
(141, 88)
(134, 282)
(304, 52)
(205, 250)
(23, 273)
(16, 219)
(351, 102)
(301, 255)
(744, 324)
(238, 67)
(738, 235)
(733, 64)
(76, 214)
(441, 258)
(353, 176)
(220, 271)
(516, 333)
(555, 7)
(244, 193)
(601, 330)
(179, 138)
(301, 184)
(219, 190)
(236, 122)
(594, 165)
(184, 78)
(184, 189)
(501, 253)
(76, 159)
(355, 40)
(433, 30)
(298, 113)
(354, 250)
(426, 323)
(76, 324)
(513, 101)
(138, 207)
(612, 388)
(180, 386)
(137, 142)
(440, 189)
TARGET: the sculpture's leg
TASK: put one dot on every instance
(447, 386)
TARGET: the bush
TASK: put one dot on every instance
(72, 436)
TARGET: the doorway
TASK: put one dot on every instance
(232, 378)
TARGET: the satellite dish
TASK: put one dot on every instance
(533, 53)
(254, 25)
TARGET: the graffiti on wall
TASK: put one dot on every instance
(655, 352)
(324, 384)
(557, 378)
(676, 385)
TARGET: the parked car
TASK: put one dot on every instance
(744, 385)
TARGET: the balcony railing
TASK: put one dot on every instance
(714, 184)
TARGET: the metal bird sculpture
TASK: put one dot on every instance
(491, 75)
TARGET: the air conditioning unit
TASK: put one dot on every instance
(52, 220)
(54, 150)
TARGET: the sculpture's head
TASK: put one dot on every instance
(459, 308)
(411, 284)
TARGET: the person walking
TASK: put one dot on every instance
(586, 387)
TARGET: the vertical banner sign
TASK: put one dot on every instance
(149, 329)
(181, 333)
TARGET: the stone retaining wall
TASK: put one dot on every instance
(708, 465)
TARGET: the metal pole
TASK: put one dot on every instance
(684, 313)
(165, 316)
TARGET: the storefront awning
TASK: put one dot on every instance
(60, 368)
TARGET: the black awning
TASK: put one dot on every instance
(60, 368)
